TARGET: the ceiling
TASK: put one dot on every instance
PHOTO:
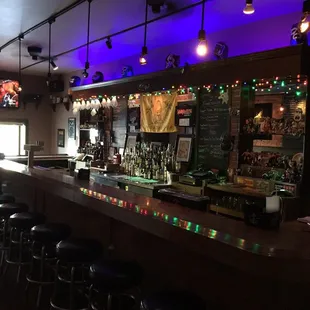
(110, 16)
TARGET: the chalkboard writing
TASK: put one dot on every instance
(213, 128)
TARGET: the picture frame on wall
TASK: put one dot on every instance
(60, 137)
(72, 128)
(131, 141)
(184, 148)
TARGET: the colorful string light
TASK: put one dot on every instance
(286, 85)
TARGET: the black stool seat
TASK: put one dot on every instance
(50, 232)
(9, 208)
(115, 274)
(4, 198)
(173, 300)
(26, 220)
(79, 250)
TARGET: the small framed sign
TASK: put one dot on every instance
(185, 115)
(72, 128)
(184, 148)
(60, 137)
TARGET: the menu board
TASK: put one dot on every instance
(213, 129)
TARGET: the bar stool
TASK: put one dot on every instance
(44, 239)
(5, 198)
(6, 210)
(19, 243)
(113, 283)
(173, 300)
(74, 258)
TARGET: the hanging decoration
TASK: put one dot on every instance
(127, 71)
(97, 77)
(158, 113)
(297, 37)
(94, 104)
(286, 85)
(220, 51)
(172, 61)
(75, 81)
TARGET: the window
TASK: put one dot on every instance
(12, 138)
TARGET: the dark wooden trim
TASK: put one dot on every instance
(287, 61)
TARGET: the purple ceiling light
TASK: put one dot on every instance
(142, 59)
(249, 8)
(202, 48)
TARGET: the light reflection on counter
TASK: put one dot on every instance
(210, 233)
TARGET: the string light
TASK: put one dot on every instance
(273, 85)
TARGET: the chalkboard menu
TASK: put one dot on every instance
(213, 129)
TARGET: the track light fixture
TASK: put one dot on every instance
(49, 75)
(304, 24)
(20, 62)
(109, 43)
(202, 47)
(142, 59)
(84, 72)
(54, 66)
(249, 8)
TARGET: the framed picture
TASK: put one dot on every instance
(184, 148)
(60, 137)
(72, 128)
(131, 141)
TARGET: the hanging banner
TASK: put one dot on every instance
(158, 113)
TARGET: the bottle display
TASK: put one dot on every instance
(149, 161)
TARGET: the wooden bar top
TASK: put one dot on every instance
(238, 189)
(284, 253)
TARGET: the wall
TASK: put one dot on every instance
(60, 121)
(255, 37)
(39, 120)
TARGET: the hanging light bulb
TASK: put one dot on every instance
(75, 111)
(108, 102)
(114, 99)
(103, 102)
(202, 48)
(249, 8)
(304, 24)
(83, 105)
(88, 105)
(142, 59)
(93, 104)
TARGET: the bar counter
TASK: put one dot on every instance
(227, 240)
